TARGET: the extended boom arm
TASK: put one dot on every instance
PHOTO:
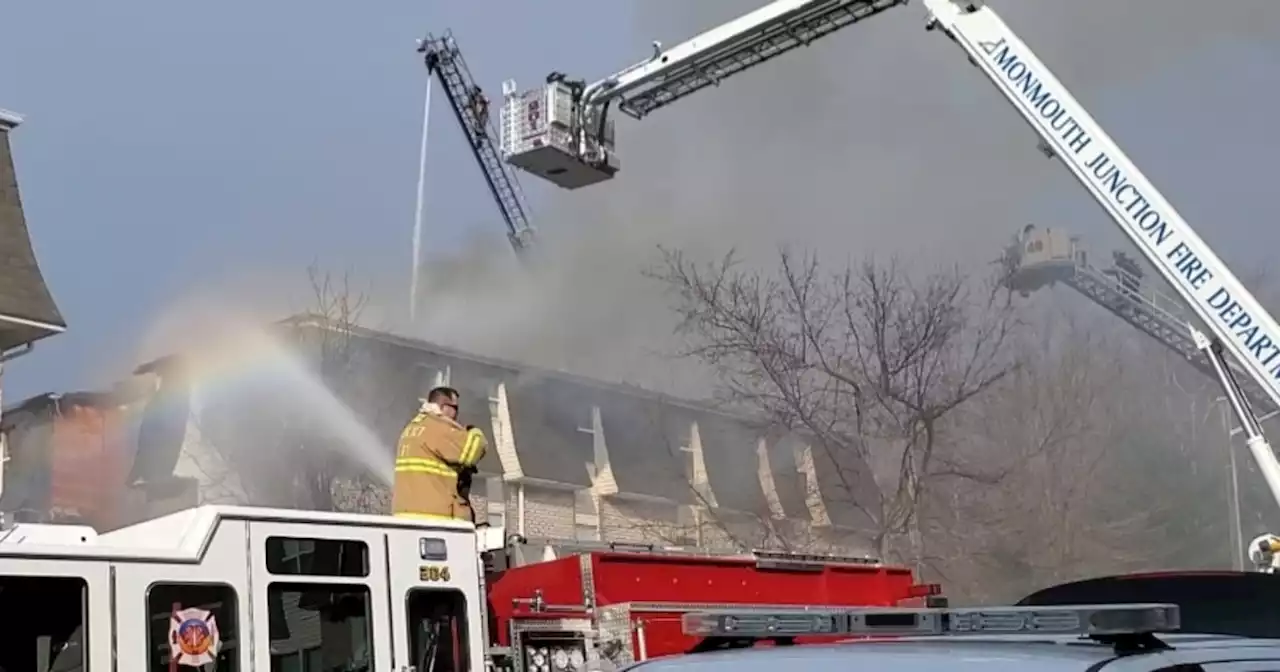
(561, 132)
(1043, 257)
(1238, 322)
(726, 50)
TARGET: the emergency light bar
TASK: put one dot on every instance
(1089, 620)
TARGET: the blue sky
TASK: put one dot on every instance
(171, 147)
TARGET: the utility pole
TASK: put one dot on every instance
(1235, 535)
(1233, 505)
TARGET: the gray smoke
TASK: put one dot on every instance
(878, 140)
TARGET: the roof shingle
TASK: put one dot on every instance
(28, 312)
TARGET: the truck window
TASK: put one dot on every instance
(319, 627)
(317, 557)
(194, 625)
(44, 623)
(438, 630)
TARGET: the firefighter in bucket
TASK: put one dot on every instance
(435, 460)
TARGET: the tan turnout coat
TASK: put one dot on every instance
(431, 452)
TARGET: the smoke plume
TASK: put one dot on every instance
(880, 139)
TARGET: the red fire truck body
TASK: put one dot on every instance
(627, 605)
(355, 591)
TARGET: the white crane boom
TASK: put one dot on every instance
(1068, 132)
(725, 50)
(561, 132)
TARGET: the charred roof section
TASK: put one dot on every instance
(27, 309)
(733, 465)
(390, 378)
(65, 455)
(648, 441)
(846, 485)
(648, 437)
(788, 481)
(550, 419)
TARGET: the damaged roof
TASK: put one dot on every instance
(27, 309)
(551, 422)
(647, 437)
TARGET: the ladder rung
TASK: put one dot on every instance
(769, 42)
(1163, 326)
(453, 74)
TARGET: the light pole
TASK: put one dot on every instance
(1233, 504)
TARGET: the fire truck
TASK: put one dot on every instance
(245, 588)
(236, 588)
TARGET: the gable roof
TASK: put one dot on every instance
(395, 376)
(27, 309)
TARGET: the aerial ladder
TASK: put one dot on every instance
(562, 132)
(470, 107)
(1043, 257)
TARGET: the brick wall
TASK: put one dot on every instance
(632, 521)
(562, 514)
(552, 513)
(548, 513)
(840, 540)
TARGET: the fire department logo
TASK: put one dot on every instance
(193, 637)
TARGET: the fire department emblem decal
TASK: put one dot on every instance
(193, 637)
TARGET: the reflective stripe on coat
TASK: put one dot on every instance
(431, 451)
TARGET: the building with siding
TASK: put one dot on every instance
(66, 458)
(577, 459)
(571, 459)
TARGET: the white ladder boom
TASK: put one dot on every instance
(1237, 320)
(726, 50)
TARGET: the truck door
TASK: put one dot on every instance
(435, 599)
(56, 615)
(320, 593)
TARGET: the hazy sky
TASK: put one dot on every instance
(174, 150)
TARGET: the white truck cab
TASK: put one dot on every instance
(235, 589)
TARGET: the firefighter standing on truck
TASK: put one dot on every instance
(434, 461)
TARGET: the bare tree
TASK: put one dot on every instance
(867, 362)
(1174, 466)
(1118, 464)
(1053, 427)
(326, 475)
